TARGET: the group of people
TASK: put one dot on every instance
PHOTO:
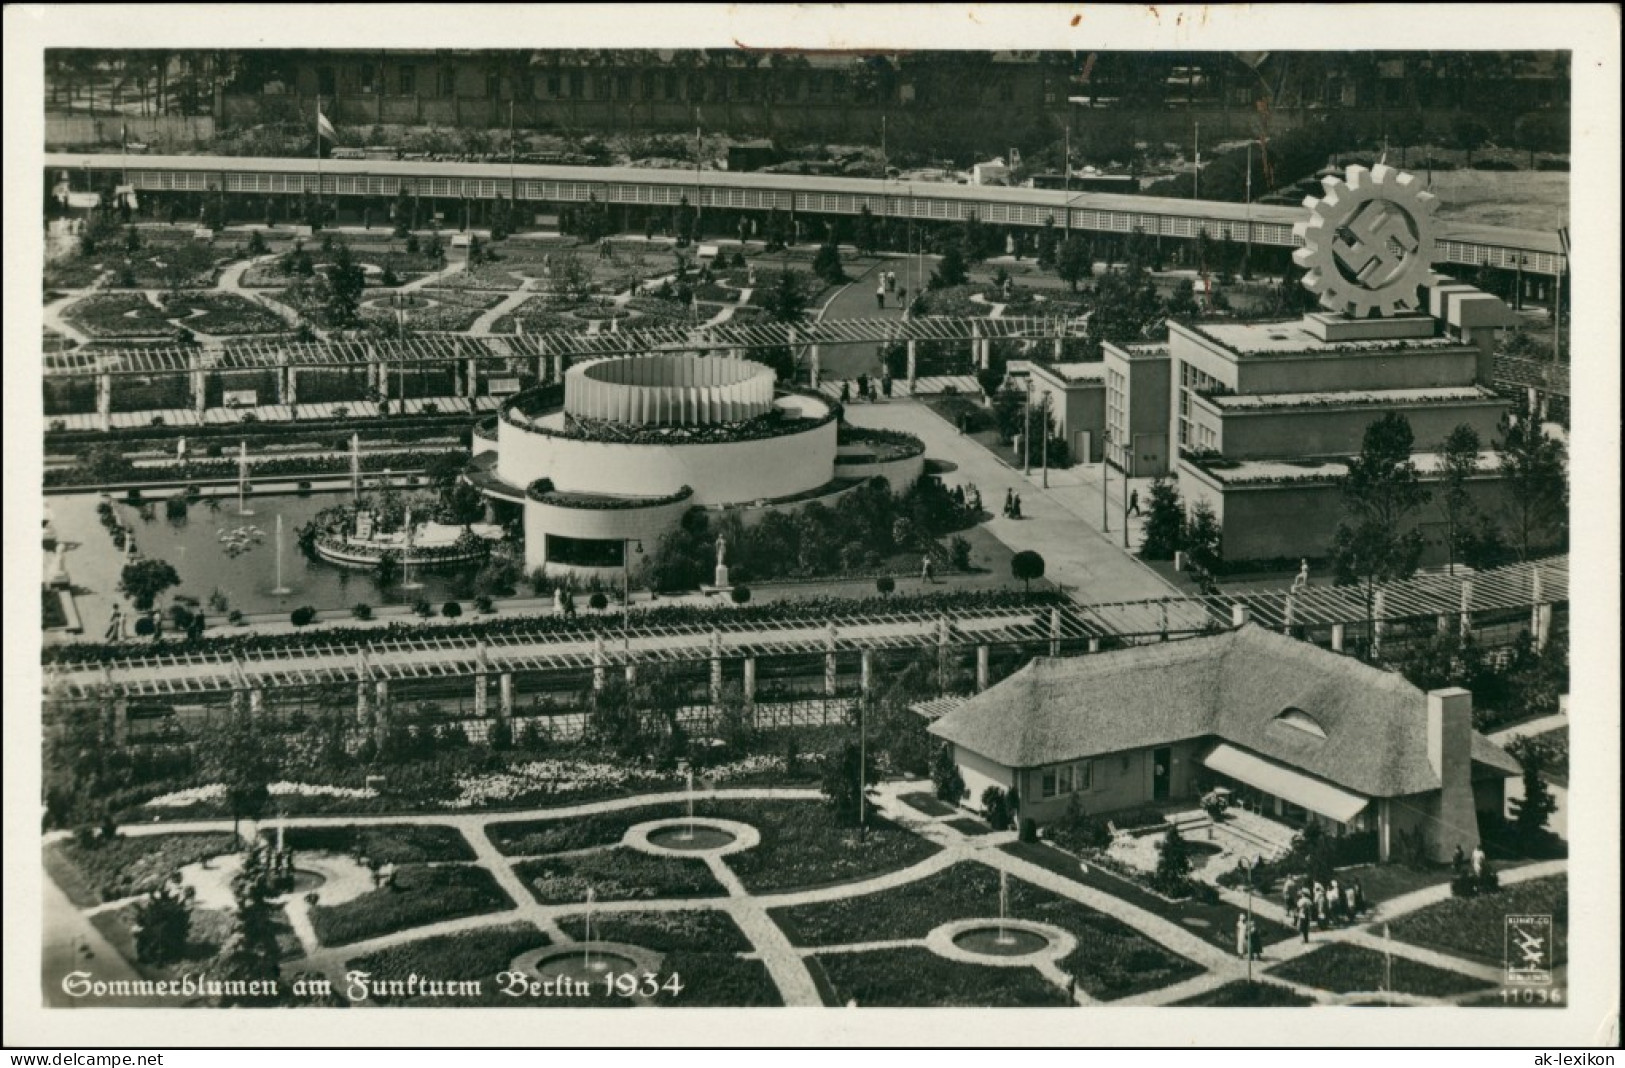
(968, 498)
(1012, 504)
(1312, 903)
(564, 602)
(1249, 942)
(888, 284)
(867, 388)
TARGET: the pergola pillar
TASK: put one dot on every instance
(1379, 608)
(1289, 613)
(982, 672)
(913, 363)
(472, 386)
(598, 663)
(866, 669)
(104, 399)
(1238, 615)
(830, 665)
(1094, 643)
(814, 368)
(256, 703)
(558, 367)
(482, 654)
(631, 674)
(1466, 607)
(505, 696)
(942, 646)
(118, 716)
(199, 385)
(381, 720)
(750, 682)
(1338, 639)
(1054, 632)
(1536, 596)
(716, 668)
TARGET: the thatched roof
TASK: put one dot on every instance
(1233, 686)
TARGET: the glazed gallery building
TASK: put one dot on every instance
(1300, 733)
(615, 458)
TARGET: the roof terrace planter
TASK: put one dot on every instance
(1241, 404)
(522, 410)
(884, 445)
(543, 492)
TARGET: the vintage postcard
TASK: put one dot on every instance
(918, 510)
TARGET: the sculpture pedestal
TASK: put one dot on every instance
(721, 576)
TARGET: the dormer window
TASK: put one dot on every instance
(1298, 719)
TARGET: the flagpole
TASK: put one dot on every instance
(318, 156)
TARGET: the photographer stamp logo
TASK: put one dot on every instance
(1529, 949)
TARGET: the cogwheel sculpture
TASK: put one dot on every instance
(1368, 244)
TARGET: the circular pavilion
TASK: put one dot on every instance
(629, 444)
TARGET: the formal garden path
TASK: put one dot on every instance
(754, 912)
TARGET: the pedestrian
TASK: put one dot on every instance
(1478, 860)
(846, 392)
(558, 600)
(1255, 942)
(890, 281)
(1319, 899)
(1241, 935)
(1351, 905)
(1134, 502)
(1303, 918)
(885, 384)
(863, 386)
(1009, 502)
(1359, 897)
(925, 570)
(1458, 860)
(1334, 901)
(1015, 507)
(1288, 886)
(902, 298)
(880, 296)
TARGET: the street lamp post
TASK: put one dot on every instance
(1043, 428)
(1249, 865)
(1105, 477)
(1027, 431)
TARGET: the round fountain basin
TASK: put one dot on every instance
(695, 838)
(582, 964)
(1011, 942)
(307, 880)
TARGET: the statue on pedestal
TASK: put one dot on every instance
(721, 575)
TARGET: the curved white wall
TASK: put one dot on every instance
(669, 390)
(601, 524)
(722, 473)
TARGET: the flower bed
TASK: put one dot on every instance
(616, 875)
(119, 315)
(261, 468)
(700, 947)
(478, 276)
(918, 978)
(1111, 961)
(886, 445)
(402, 843)
(600, 312)
(421, 895)
(803, 846)
(217, 792)
(552, 781)
(542, 490)
(467, 956)
(224, 313)
(955, 301)
(531, 837)
(1343, 968)
(1243, 994)
(126, 865)
(448, 311)
(1475, 927)
(539, 315)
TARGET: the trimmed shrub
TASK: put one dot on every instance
(451, 610)
(362, 610)
(303, 616)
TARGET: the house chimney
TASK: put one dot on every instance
(1450, 753)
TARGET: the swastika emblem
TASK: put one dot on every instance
(1368, 244)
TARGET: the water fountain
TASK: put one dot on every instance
(242, 480)
(406, 558)
(586, 940)
(1004, 907)
(688, 834)
(281, 588)
(355, 466)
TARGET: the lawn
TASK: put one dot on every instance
(616, 875)
(927, 804)
(127, 865)
(1384, 882)
(479, 276)
(1475, 927)
(917, 978)
(1214, 923)
(539, 315)
(972, 827)
(119, 315)
(224, 313)
(209, 931)
(1344, 969)
(469, 955)
(803, 846)
(421, 895)
(401, 843)
(1112, 960)
(700, 947)
(531, 837)
(1242, 994)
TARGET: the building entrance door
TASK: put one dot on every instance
(1161, 772)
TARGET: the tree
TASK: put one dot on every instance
(951, 270)
(251, 953)
(945, 776)
(462, 503)
(144, 581)
(1075, 262)
(1532, 811)
(864, 233)
(1534, 481)
(885, 585)
(1381, 492)
(1173, 874)
(840, 782)
(1164, 521)
(345, 283)
(1203, 537)
(1026, 566)
(238, 757)
(1460, 453)
(734, 723)
(163, 922)
(996, 808)
(827, 264)
(787, 299)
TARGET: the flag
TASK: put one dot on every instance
(323, 127)
(1563, 238)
